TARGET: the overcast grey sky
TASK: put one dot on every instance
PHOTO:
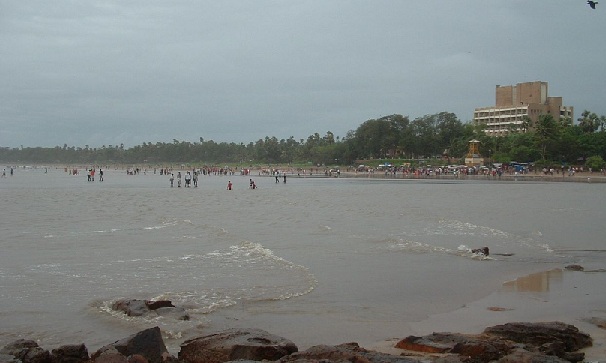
(109, 72)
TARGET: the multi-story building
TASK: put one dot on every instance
(513, 103)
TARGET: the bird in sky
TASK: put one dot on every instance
(592, 3)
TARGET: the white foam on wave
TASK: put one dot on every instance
(456, 227)
(493, 237)
(167, 222)
(406, 245)
(244, 272)
(545, 247)
(196, 302)
(254, 254)
(410, 246)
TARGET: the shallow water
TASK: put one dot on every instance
(315, 260)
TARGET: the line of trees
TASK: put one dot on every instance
(549, 141)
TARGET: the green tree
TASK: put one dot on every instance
(527, 124)
(546, 134)
(426, 140)
(449, 128)
(596, 163)
(589, 122)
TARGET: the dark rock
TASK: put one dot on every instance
(524, 356)
(573, 357)
(574, 268)
(428, 344)
(475, 348)
(482, 350)
(343, 353)
(538, 334)
(7, 358)
(137, 358)
(147, 343)
(484, 251)
(131, 307)
(235, 344)
(70, 354)
(177, 313)
(108, 355)
(153, 305)
(27, 351)
(135, 307)
(448, 359)
(513, 342)
(19, 347)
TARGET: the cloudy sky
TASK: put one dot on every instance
(109, 72)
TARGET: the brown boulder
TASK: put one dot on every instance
(574, 268)
(109, 355)
(70, 354)
(529, 342)
(475, 348)
(131, 307)
(482, 350)
(343, 353)
(234, 344)
(147, 343)
(524, 356)
(427, 344)
(137, 358)
(153, 305)
(27, 351)
(538, 334)
(481, 251)
(135, 307)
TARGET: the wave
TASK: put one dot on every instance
(206, 283)
(461, 238)
(410, 246)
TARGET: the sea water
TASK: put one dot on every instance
(316, 260)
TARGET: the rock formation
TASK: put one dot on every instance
(551, 342)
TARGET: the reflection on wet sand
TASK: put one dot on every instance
(537, 282)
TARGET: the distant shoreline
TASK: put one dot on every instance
(583, 177)
(579, 177)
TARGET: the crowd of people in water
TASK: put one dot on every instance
(179, 178)
(189, 177)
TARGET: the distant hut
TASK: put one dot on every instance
(473, 157)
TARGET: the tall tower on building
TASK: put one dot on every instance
(513, 103)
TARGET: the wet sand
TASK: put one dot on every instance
(572, 297)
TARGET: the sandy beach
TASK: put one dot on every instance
(553, 295)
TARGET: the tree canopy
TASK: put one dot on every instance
(388, 137)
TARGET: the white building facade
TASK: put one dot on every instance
(513, 103)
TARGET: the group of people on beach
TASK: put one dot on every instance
(91, 174)
(193, 177)
(189, 178)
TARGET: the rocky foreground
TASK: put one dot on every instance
(513, 342)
